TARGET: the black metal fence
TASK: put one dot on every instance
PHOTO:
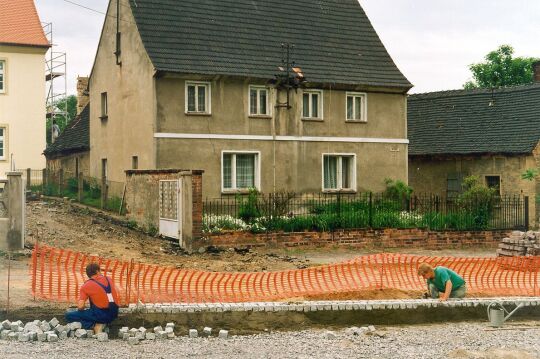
(325, 212)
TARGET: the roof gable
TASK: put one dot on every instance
(74, 138)
(334, 40)
(20, 24)
(505, 121)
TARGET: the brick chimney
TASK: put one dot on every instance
(82, 93)
(536, 71)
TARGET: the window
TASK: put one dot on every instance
(356, 107)
(240, 171)
(2, 76)
(258, 101)
(494, 182)
(135, 162)
(198, 97)
(104, 107)
(2, 143)
(339, 172)
(312, 105)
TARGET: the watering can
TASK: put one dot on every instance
(496, 313)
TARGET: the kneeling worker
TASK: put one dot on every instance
(442, 283)
(100, 291)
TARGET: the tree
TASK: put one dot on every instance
(501, 69)
(68, 104)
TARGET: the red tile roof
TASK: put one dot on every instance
(20, 24)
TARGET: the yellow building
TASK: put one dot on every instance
(22, 86)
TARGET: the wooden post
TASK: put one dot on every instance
(103, 191)
(28, 178)
(80, 183)
(60, 181)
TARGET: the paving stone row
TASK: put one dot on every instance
(311, 306)
(136, 335)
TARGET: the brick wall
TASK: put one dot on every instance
(196, 182)
(362, 238)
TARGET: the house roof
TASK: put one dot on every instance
(20, 24)
(74, 138)
(505, 121)
(334, 41)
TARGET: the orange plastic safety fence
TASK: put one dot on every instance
(57, 275)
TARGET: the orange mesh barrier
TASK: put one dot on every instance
(57, 275)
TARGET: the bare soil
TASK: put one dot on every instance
(63, 225)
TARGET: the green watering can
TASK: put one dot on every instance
(496, 313)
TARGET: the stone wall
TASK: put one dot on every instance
(362, 238)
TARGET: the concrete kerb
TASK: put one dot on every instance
(248, 318)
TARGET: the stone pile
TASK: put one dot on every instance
(45, 331)
(520, 244)
(136, 335)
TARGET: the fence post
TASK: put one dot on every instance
(370, 211)
(80, 184)
(28, 178)
(43, 180)
(60, 182)
(103, 191)
(526, 205)
(339, 208)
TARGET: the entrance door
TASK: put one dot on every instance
(169, 208)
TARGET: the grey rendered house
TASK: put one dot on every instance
(494, 134)
(192, 84)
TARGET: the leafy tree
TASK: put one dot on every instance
(68, 104)
(397, 190)
(501, 69)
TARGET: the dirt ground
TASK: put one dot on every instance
(63, 225)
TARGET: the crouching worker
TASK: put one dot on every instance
(442, 283)
(100, 292)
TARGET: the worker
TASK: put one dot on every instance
(442, 283)
(100, 292)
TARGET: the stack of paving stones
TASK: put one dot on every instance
(520, 244)
(46, 331)
(136, 335)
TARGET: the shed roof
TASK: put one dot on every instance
(505, 121)
(75, 137)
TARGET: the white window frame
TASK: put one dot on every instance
(268, 102)
(3, 137)
(363, 115)
(4, 76)
(208, 104)
(321, 105)
(339, 174)
(234, 189)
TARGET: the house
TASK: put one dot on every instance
(192, 84)
(71, 150)
(491, 133)
(22, 86)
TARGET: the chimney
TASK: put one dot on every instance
(82, 93)
(536, 72)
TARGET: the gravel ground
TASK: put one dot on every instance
(461, 340)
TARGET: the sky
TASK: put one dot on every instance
(433, 42)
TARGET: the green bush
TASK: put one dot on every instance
(248, 207)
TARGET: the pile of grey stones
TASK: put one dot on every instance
(136, 335)
(46, 331)
(520, 244)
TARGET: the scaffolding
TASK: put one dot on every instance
(56, 84)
